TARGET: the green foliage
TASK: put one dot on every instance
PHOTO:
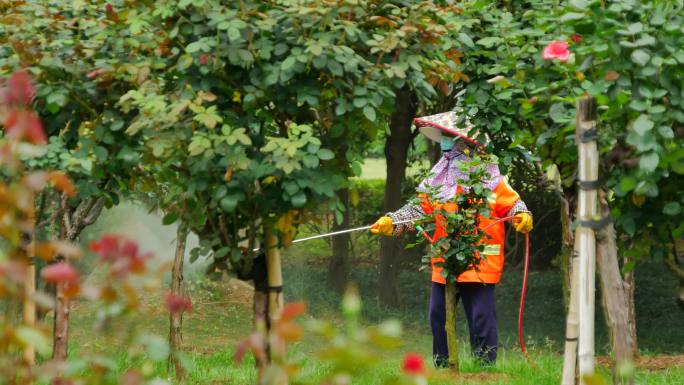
(627, 55)
(80, 64)
(457, 220)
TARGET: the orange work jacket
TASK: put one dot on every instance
(491, 266)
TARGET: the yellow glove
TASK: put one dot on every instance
(384, 226)
(523, 222)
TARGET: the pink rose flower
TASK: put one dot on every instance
(557, 50)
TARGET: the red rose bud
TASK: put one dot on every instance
(533, 100)
(203, 59)
(95, 73)
(576, 37)
(110, 13)
(61, 272)
(413, 364)
(175, 303)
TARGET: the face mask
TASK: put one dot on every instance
(447, 143)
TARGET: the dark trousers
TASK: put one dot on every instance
(478, 302)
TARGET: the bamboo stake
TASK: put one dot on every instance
(572, 326)
(452, 336)
(587, 211)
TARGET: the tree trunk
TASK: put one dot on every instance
(339, 267)
(630, 287)
(60, 343)
(176, 318)
(615, 299)
(567, 248)
(586, 211)
(452, 335)
(72, 223)
(396, 151)
(674, 264)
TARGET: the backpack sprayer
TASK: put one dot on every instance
(521, 309)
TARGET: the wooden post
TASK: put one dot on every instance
(587, 211)
(572, 325)
(275, 282)
(176, 318)
(452, 336)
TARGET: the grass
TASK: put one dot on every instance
(222, 317)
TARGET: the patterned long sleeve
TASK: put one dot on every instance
(518, 207)
(407, 212)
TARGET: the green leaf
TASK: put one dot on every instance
(570, 16)
(642, 124)
(299, 200)
(229, 202)
(578, 4)
(672, 208)
(234, 34)
(463, 37)
(369, 113)
(194, 46)
(640, 57)
(157, 347)
(628, 183)
(649, 162)
(170, 218)
(325, 154)
(666, 132)
(489, 41)
(34, 338)
(288, 63)
(557, 113)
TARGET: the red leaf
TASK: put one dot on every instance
(255, 343)
(25, 125)
(19, 89)
(177, 304)
(62, 183)
(612, 76)
(131, 377)
(36, 180)
(121, 253)
(292, 310)
(61, 272)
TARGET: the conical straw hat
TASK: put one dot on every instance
(432, 127)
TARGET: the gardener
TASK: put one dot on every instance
(476, 285)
